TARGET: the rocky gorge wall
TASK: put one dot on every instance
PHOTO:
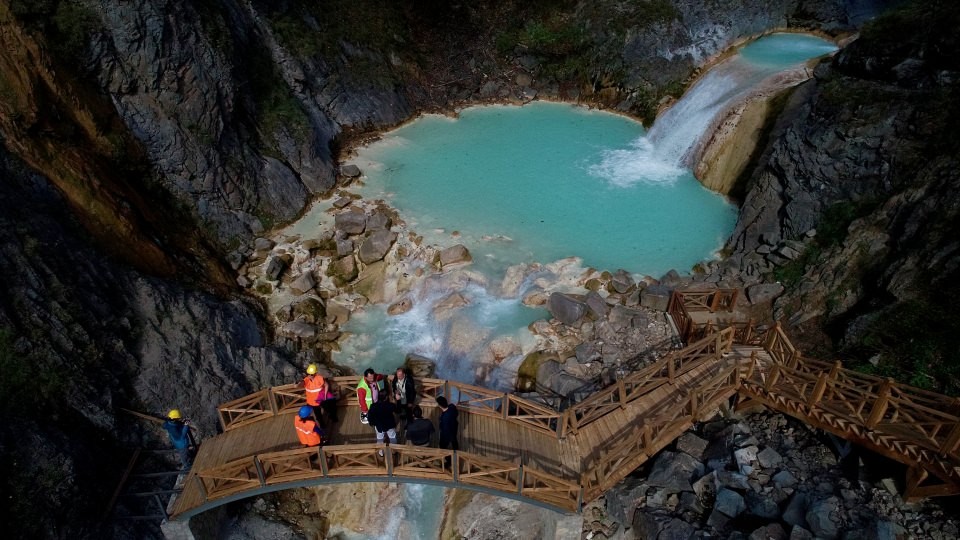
(145, 140)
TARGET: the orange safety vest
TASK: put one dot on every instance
(307, 432)
(312, 384)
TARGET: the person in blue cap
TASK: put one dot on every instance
(308, 431)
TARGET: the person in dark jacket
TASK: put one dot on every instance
(381, 417)
(448, 424)
(419, 430)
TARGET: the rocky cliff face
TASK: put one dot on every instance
(854, 206)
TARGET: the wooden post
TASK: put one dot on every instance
(562, 424)
(751, 366)
(880, 406)
(671, 371)
(733, 299)
(455, 465)
(771, 337)
(323, 460)
(693, 405)
(645, 437)
(772, 379)
(272, 401)
(260, 474)
(201, 487)
(949, 446)
(519, 478)
(622, 392)
(818, 390)
(714, 301)
(388, 460)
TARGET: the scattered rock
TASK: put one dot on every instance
(420, 366)
(822, 518)
(795, 513)
(400, 306)
(656, 297)
(452, 255)
(769, 458)
(674, 470)
(350, 222)
(342, 202)
(344, 247)
(729, 502)
(350, 170)
(343, 270)
(784, 479)
(263, 244)
(764, 292)
(692, 445)
(376, 246)
(452, 301)
(275, 267)
(378, 221)
(596, 305)
(566, 308)
(772, 531)
(300, 329)
(304, 283)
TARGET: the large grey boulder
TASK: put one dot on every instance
(796, 510)
(622, 282)
(457, 254)
(649, 525)
(596, 305)
(300, 329)
(772, 531)
(350, 222)
(376, 246)
(764, 292)
(656, 297)
(566, 308)
(350, 170)
(304, 283)
(823, 518)
(689, 443)
(378, 221)
(729, 502)
(675, 470)
(420, 366)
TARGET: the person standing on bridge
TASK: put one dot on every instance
(180, 437)
(404, 394)
(308, 431)
(448, 425)
(419, 430)
(369, 388)
(382, 417)
(312, 385)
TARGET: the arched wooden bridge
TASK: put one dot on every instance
(518, 448)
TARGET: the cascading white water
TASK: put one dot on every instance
(668, 150)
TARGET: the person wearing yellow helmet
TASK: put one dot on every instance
(180, 437)
(319, 395)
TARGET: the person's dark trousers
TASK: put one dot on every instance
(448, 442)
(186, 457)
(330, 407)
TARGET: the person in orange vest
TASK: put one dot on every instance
(308, 431)
(313, 385)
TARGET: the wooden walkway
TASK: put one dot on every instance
(559, 459)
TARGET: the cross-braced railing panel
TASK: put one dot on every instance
(232, 477)
(491, 473)
(245, 410)
(533, 415)
(290, 465)
(476, 399)
(355, 460)
(421, 462)
(289, 397)
(550, 489)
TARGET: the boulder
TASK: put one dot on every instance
(729, 502)
(300, 329)
(275, 268)
(689, 443)
(343, 270)
(452, 301)
(563, 384)
(746, 459)
(587, 352)
(784, 479)
(342, 202)
(547, 369)
(350, 222)
(671, 279)
(769, 458)
(263, 244)
(656, 297)
(674, 470)
(309, 309)
(376, 246)
(378, 221)
(764, 292)
(566, 308)
(337, 313)
(622, 282)
(344, 247)
(823, 518)
(596, 306)
(761, 506)
(489, 89)
(420, 366)
(400, 306)
(350, 170)
(796, 510)
(304, 283)
(457, 254)
(799, 533)
(523, 79)
(649, 525)
(772, 531)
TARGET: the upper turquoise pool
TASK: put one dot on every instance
(534, 184)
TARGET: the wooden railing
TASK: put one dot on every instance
(640, 383)
(682, 303)
(648, 437)
(270, 402)
(398, 461)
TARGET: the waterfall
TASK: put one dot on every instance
(669, 149)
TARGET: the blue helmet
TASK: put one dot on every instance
(305, 411)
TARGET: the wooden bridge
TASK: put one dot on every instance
(518, 448)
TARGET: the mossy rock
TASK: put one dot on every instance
(370, 282)
(527, 372)
(593, 284)
(310, 309)
(343, 271)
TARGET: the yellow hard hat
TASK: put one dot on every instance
(312, 369)
(174, 414)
